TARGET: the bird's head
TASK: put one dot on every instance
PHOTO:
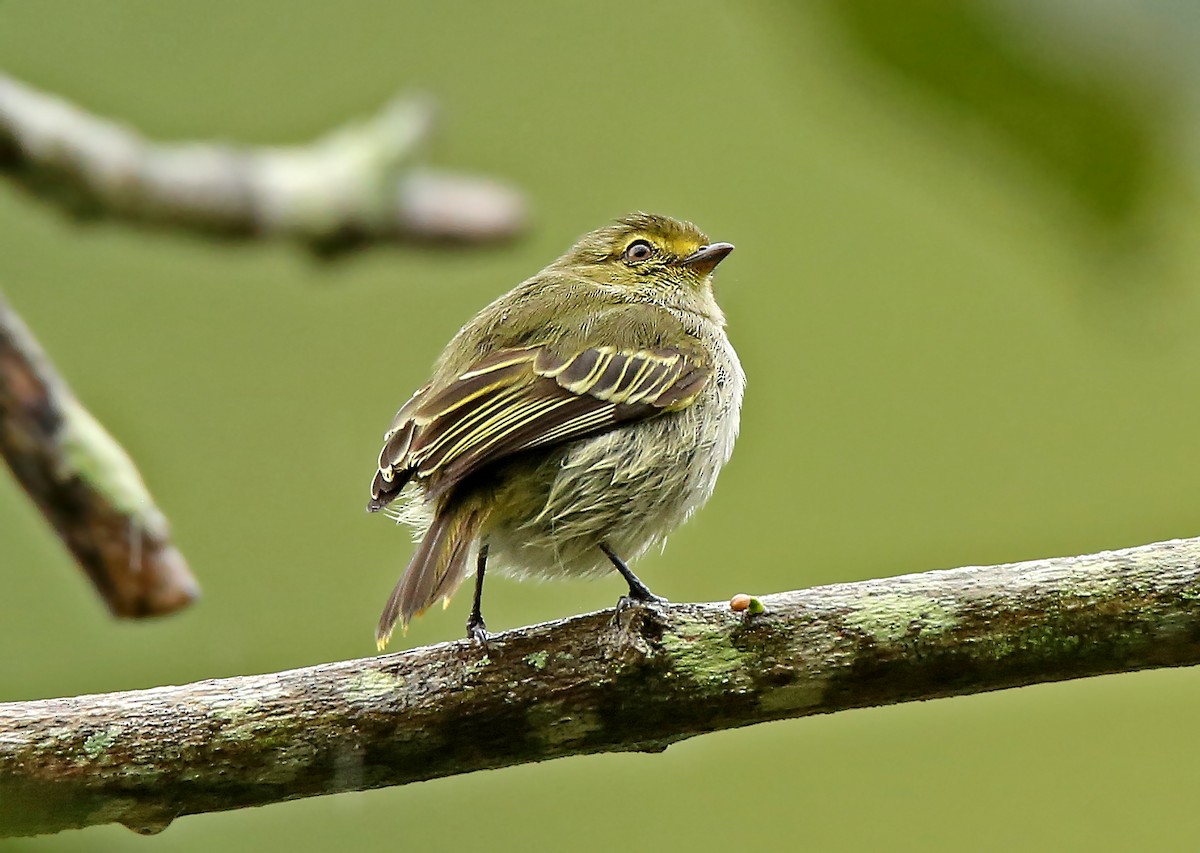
(645, 250)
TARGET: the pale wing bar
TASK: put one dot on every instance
(518, 399)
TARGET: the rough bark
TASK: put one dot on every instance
(637, 680)
(359, 184)
(85, 484)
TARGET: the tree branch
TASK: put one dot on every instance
(359, 184)
(589, 684)
(85, 484)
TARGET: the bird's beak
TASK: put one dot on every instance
(705, 259)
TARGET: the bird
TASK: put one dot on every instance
(570, 425)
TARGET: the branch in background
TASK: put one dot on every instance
(359, 184)
(85, 484)
(590, 684)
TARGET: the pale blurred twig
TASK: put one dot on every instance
(359, 184)
(640, 680)
(85, 484)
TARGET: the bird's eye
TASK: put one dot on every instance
(638, 251)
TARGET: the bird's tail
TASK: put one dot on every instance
(436, 570)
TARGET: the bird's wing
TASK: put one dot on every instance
(516, 399)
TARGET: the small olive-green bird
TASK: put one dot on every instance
(571, 424)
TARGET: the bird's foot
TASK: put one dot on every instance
(638, 620)
(477, 631)
(640, 593)
(638, 598)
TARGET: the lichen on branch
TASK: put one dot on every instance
(640, 678)
(85, 484)
(359, 184)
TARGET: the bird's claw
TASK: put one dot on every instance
(477, 632)
(638, 599)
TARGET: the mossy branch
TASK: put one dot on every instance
(359, 184)
(639, 680)
(85, 484)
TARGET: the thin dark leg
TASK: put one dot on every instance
(638, 591)
(476, 628)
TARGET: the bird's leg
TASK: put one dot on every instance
(638, 591)
(476, 628)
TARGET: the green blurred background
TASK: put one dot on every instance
(965, 294)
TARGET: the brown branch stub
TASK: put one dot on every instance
(85, 484)
(359, 184)
(590, 684)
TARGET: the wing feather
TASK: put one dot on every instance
(526, 397)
